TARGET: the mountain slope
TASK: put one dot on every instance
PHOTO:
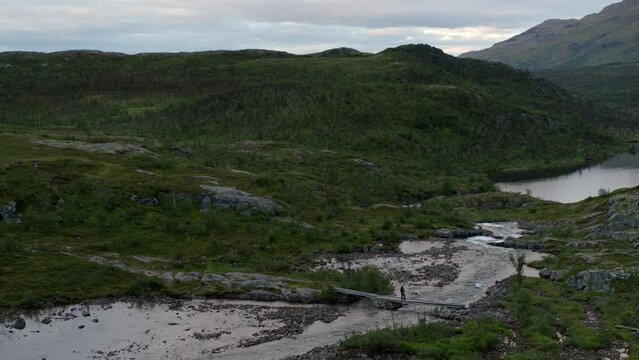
(609, 36)
(616, 85)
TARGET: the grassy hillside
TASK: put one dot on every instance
(597, 39)
(616, 85)
(409, 106)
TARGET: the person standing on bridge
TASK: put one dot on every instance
(402, 292)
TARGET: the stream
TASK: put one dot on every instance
(457, 271)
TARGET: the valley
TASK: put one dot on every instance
(154, 190)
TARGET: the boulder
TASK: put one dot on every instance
(240, 201)
(9, 213)
(553, 275)
(19, 324)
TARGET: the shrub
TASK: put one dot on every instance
(379, 342)
(518, 261)
(588, 339)
(328, 294)
(604, 192)
(368, 279)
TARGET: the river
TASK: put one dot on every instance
(456, 271)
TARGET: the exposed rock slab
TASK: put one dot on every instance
(243, 202)
(107, 148)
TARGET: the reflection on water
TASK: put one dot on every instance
(622, 171)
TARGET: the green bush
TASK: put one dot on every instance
(367, 279)
(379, 342)
(328, 295)
(432, 340)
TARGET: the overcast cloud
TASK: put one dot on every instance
(297, 26)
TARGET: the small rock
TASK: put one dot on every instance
(81, 327)
(151, 201)
(46, 320)
(86, 313)
(19, 324)
(9, 213)
(95, 320)
(553, 275)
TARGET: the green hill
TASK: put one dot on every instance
(412, 105)
(607, 37)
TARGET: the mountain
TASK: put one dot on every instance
(607, 37)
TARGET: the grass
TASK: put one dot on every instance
(432, 340)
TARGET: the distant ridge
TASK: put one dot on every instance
(339, 52)
(607, 37)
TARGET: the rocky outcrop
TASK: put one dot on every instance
(9, 213)
(622, 219)
(596, 280)
(242, 286)
(240, 201)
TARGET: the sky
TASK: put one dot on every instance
(296, 26)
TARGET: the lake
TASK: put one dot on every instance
(621, 171)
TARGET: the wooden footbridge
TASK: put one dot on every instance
(396, 302)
